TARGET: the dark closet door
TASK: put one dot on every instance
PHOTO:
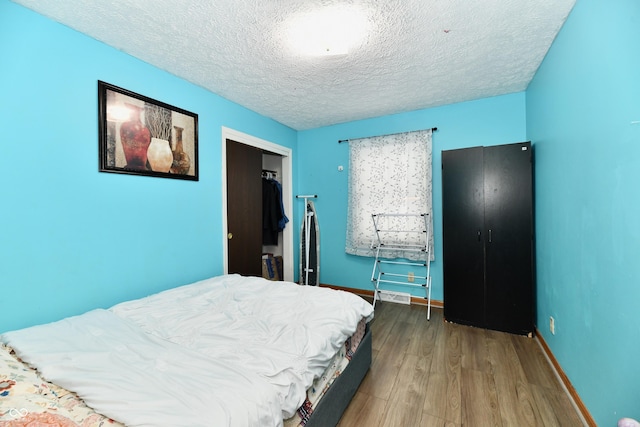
(463, 235)
(244, 209)
(509, 239)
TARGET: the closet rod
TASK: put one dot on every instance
(340, 141)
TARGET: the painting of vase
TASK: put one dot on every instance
(135, 139)
(159, 155)
(142, 136)
(181, 161)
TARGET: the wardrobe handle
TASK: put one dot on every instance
(489, 235)
(479, 235)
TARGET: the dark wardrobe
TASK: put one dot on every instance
(487, 210)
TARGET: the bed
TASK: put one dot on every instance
(230, 350)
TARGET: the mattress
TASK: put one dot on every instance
(27, 400)
(286, 333)
(141, 380)
(291, 337)
(321, 385)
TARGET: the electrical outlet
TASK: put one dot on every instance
(411, 277)
(552, 325)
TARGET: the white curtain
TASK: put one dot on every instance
(388, 174)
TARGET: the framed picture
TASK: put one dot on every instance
(142, 136)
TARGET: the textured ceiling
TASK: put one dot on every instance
(416, 53)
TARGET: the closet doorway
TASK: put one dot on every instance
(243, 158)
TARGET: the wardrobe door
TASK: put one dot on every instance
(509, 237)
(463, 235)
(244, 209)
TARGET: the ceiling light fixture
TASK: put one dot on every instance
(333, 30)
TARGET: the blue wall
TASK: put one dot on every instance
(583, 112)
(72, 238)
(491, 121)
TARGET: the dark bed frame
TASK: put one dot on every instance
(339, 395)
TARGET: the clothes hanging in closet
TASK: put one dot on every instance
(273, 216)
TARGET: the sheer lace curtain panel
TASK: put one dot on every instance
(388, 174)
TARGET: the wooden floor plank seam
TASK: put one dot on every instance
(435, 373)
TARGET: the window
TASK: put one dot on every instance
(387, 174)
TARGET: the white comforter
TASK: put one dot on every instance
(284, 332)
(142, 380)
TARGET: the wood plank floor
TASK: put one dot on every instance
(433, 373)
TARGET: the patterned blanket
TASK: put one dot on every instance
(27, 400)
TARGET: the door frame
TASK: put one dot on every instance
(287, 193)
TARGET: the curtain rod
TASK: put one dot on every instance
(340, 141)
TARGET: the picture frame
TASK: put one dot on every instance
(139, 135)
